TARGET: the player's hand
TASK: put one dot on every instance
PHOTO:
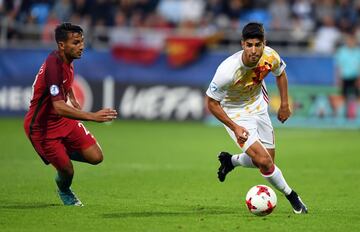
(105, 115)
(283, 113)
(241, 135)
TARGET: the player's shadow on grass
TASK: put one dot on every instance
(22, 205)
(175, 213)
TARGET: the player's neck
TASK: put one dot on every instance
(64, 58)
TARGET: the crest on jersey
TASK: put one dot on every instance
(213, 87)
(261, 72)
(54, 90)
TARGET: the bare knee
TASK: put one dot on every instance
(93, 155)
(265, 162)
(96, 158)
(260, 156)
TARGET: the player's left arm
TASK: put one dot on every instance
(73, 99)
(284, 110)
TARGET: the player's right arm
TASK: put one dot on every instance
(68, 111)
(54, 83)
(215, 93)
(215, 108)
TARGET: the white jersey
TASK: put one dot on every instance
(242, 89)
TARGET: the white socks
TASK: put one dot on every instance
(277, 180)
(242, 160)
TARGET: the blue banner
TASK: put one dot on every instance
(21, 66)
(155, 91)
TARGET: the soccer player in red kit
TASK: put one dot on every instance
(52, 123)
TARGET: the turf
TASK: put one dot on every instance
(159, 176)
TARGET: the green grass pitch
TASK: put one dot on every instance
(161, 176)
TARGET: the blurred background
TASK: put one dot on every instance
(154, 59)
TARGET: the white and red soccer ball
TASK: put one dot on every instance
(261, 200)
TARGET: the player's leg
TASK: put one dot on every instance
(243, 160)
(65, 175)
(271, 151)
(54, 152)
(260, 155)
(273, 174)
(82, 146)
(63, 179)
(227, 161)
(93, 154)
(266, 133)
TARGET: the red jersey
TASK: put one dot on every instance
(52, 83)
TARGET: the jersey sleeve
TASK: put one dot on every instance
(219, 84)
(278, 64)
(54, 79)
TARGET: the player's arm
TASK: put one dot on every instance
(215, 93)
(54, 81)
(73, 99)
(215, 108)
(284, 110)
(68, 111)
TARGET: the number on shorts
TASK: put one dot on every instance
(82, 125)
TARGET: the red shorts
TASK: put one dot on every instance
(73, 136)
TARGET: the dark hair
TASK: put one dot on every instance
(253, 31)
(62, 30)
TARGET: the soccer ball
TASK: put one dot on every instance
(261, 200)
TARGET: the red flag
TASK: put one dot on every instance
(182, 51)
(135, 54)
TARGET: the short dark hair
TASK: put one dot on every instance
(62, 30)
(253, 30)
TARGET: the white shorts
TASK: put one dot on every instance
(260, 129)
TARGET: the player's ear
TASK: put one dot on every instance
(61, 45)
(264, 42)
(242, 44)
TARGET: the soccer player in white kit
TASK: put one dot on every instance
(237, 96)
